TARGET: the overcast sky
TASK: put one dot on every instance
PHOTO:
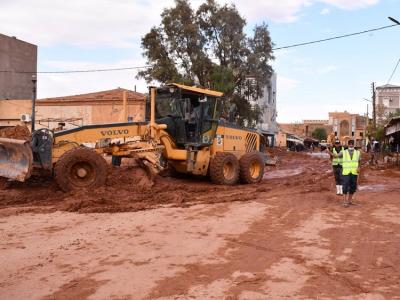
(312, 80)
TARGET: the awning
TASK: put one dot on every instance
(295, 141)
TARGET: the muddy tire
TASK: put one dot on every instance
(3, 183)
(80, 168)
(251, 167)
(224, 168)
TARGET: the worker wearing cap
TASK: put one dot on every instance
(350, 170)
(337, 166)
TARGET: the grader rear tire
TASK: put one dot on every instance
(80, 168)
(224, 168)
(251, 167)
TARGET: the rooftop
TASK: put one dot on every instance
(108, 95)
(3, 36)
(392, 121)
(388, 86)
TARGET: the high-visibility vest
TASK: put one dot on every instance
(350, 164)
(337, 160)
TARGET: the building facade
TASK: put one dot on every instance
(346, 126)
(267, 104)
(16, 56)
(11, 112)
(341, 125)
(306, 128)
(78, 110)
(392, 132)
(267, 124)
(88, 109)
(387, 100)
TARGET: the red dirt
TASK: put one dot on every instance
(287, 237)
(17, 132)
(130, 189)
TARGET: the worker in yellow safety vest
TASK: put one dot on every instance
(337, 166)
(350, 171)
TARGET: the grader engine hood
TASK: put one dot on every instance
(15, 159)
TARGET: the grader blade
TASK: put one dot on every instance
(15, 159)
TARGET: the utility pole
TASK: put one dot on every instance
(373, 105)
(33, 118)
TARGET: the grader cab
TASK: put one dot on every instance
(184, 131)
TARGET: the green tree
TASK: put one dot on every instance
(319, 134)
(379, 132)
(209, 48)
(393, 114)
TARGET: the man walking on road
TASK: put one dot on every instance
(337, 166)
(350, 170)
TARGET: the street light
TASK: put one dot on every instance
(365, 99)
(394, 20)
(34, 92)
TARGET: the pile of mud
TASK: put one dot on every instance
(17, 132)
(129, 188)
(126, 189)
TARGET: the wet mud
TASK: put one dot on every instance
(17, 132)
(287, 237)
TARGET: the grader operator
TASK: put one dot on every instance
(184, 131)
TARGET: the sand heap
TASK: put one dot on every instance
(17, 132)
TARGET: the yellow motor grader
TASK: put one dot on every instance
(184, 131)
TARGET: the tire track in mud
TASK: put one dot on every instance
(305, 232)
(330, 251)
(129, 189)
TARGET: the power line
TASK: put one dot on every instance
(76, 71)
(143, 67)
(335, 37)
(394, 71)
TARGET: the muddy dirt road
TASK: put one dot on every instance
(286, 238)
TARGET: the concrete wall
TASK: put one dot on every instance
(16, 55)
(95, 108)
(11, 111)
(348, 126)
(78, 115)
(304, 129)
(280, 139)
(389, 98)
(104, 113)
(267, 105)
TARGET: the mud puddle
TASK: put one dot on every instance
(319, 154)
(283, 173)
(374, 187)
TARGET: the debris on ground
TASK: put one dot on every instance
(286, 237)
(271, 161)
(18, 132)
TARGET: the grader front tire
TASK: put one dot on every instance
(224, 168)
(80, 168)
(251, 167)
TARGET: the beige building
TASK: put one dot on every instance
(94, 108)
(306, 128)
(12, 111)
(16, 56)
(341, 125)
(346, 126)
(387, 100)
(73, 111)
